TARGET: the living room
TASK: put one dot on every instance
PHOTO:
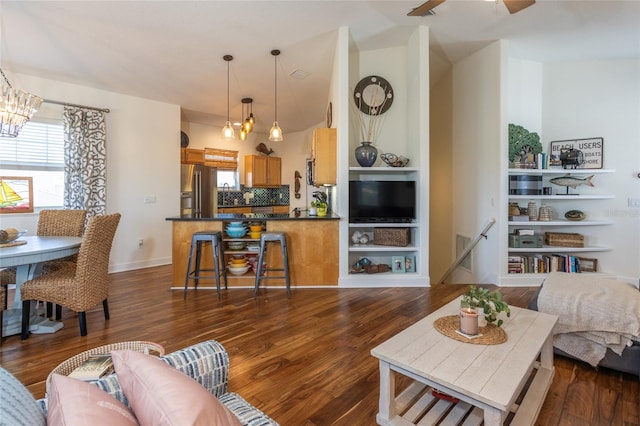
(471, 105)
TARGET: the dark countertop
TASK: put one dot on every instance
(303, 215)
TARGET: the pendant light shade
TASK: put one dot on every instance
(248, 123)
(16, 108)
(275, 134)
(242, 133)
(227, 131)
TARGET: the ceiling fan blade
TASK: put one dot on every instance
(514, 6)
(424, 9)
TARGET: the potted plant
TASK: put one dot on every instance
(489, 301)
(320, 203)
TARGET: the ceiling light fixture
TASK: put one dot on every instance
(250, 120)
(275, 134)
(16, 108)
(227, 131)
(242, 134)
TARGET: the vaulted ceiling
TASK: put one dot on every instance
(171, 51)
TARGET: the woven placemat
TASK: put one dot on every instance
(491, 334)
(13, 243)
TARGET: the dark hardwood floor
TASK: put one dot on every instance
(304, 361)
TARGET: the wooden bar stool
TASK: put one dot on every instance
(198, 238)
(278, 237)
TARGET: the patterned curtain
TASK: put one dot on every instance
(85, 160)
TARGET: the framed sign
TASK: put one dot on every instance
(16, 194)
(592, 150)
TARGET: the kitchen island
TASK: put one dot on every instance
(312, 242)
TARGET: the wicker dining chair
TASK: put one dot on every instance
(77, 286)
(51, 223)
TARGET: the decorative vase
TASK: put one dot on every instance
(322, 211)
(313, 211)
(366, 154)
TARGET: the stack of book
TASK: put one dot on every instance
(541, 264)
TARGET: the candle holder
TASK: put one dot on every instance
(468, 319)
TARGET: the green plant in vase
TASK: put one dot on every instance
(490, 301)
(320, 203)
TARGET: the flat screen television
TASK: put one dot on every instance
(391, 201)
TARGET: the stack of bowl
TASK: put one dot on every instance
(236, 230)
(255, 230)
(238, 265)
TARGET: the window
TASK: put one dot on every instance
(38, 152)
(229, 177)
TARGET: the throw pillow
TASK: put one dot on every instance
(17, 405)
(74, 402)
(161, 395)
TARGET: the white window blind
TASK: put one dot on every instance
(39, 146)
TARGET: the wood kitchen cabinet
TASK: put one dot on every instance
(191, 156)
(262, 171)
(323, 156)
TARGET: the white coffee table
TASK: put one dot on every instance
(487, 379)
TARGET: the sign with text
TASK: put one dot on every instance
(591, 149)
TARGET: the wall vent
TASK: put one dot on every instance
(461, 243)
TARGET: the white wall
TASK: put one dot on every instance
(477, 133)
(142, 148)
(602, 99)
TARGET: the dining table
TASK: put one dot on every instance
(27, 255)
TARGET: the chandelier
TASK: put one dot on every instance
(16, 108)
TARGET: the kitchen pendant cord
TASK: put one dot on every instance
(49, 101)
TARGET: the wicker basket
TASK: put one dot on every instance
(563, 239)
(398, 237)
(66, 367)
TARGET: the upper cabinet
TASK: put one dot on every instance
(191, 156)
(262, 171)
(323, 156)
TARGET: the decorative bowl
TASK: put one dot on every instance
(256, 228)
(239, 271)
(235, 225)
(10, 234)
(238, 261)
(255, 235)
(394, 160)
(236, 233)
(239, 265)
(235, 245)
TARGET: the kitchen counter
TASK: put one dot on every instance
(302, 215)
(312, 243)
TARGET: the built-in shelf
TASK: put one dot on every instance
(558, 249)
(560, 223)
(563, 197)
(383, 169)
(559, 170)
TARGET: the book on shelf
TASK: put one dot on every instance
(524, 232)
(520, 218)
(93, 368)
(542, 264)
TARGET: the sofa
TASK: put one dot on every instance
(581, 290)
(207, 363)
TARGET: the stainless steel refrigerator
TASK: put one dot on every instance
(198, 190)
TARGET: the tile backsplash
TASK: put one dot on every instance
(254, 196)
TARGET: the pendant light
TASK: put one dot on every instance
(242, 133)
(227, 131)
(248, 123)
(275, 134)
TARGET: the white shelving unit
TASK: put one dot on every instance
(557, 224)
(383, 254)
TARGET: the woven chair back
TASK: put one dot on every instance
(57, 223)
(92, 269)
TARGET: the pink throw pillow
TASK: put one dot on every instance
(160, 395)
(74, 402)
